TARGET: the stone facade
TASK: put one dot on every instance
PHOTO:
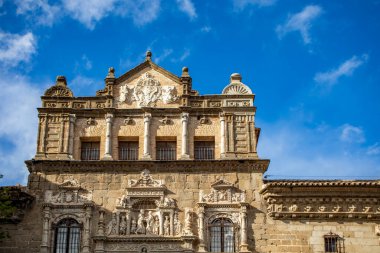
(149, 165)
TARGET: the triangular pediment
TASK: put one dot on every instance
(221, 183)
(147, 65)
(148, 85)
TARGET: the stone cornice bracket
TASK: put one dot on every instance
(60, 89)
(109, 81)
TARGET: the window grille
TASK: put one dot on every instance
(333, 243)
(166, 150)
(128, 150)
(204, 150)
(67, 236)
(222, 236)
(90, 151)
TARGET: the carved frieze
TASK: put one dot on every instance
(222, 192)
(300, 202)
(148, 92)
(68, 193)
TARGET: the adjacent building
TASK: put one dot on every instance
(150, 165)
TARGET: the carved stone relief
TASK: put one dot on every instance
(148, 92)
(69, 192)
(222, 191)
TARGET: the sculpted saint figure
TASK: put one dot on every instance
(150, 222)
(123, 226)
(166, 226)
(156, 226)
(133, 226)
(140, 223)
(112, 226)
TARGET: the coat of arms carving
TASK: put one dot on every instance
(147, 92)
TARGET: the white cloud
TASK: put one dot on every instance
(18, 127)
(142, 12)
(163, 56)
(39, 10)
(299, 150)
(87, 64)
(241, 4)
(16, 48)
(345, 69)
(300, 22)
(374, 149)
(352, 134)
(187, 7)
(206, 29)
(89, 12)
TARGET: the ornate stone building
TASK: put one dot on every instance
(150, 165)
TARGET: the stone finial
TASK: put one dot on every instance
(235, 77)
(185, 72)
(111, 72)
(148, 56)
(61, 81)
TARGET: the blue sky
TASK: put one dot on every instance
(313, 65)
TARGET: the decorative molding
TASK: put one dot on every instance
(323, 200)
(166, 121)
(60, 89)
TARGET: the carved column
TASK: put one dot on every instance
(222, 135)
(108, 148)
(243, 217)
(201, 232)
(72, 119)
(161, 220)
(128, 219)
(45, 229)
(147, 120)
(185, 136)
(86, 232)
(172, 223)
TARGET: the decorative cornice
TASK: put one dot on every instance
(322, 199)
(246, 165)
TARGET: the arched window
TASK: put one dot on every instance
(67, 236)
(222, 237)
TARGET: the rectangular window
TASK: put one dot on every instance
(90, 150)
(128, 150)
(166, 150)
(333, 243)
(204, 150)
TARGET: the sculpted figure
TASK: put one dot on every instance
(112, 226)
(167, 226)
(177, 224)
(133, 226)
(123, 226)
(187, 230)
(140, 223)
(150, 222)
(156, 226)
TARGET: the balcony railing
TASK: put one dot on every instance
(166, 154)
(90, 153)
(128, 153)
(204, 153)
